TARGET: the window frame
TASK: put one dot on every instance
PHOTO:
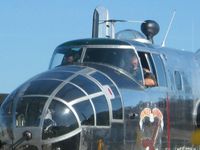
(150, 65)
(115, 91)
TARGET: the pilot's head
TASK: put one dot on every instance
(134, 62)
(68, 59)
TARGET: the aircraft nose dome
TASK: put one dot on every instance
(48, 107)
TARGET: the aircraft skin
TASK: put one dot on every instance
(94, 103)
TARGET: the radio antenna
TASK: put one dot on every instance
(169, 27)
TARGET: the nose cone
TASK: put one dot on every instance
(53, 106)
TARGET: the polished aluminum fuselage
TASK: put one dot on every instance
(129, 116)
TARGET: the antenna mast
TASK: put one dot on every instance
(169, 27)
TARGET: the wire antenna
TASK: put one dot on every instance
(169, 27)
(110, 24)
(115, 20)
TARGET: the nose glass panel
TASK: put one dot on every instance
(59, 120)
(70, 92)
(42, 87)
(85, 112)
(28, 112)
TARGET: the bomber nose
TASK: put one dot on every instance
(48, 107)
(40, 107)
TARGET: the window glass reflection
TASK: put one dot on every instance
(70, 68)
(101, 78)
(65, 56)
(70, 92)
(68, 144)
(7, 105)
(58, 121)
(43, 87)
(111, 56)
(86, 84)
(55, 75)
(124, 82)
(28, 112)
(125, 59)
(117, 108)
(116, 102)
(85, 112)
(105, 81)
(6, 112)
(102, 110)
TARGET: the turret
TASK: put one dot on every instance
(150, 28)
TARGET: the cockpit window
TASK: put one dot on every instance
(109, 56)
(65, 56)
(121, 58)
(125, 59)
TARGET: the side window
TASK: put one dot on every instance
(148, 69)
(161, 75)
(146, 61)
(178, 80)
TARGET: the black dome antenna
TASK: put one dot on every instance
(150, 28)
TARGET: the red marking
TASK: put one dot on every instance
(168, 122)
(148, 143)
(109, 90)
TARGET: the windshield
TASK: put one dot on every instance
(122, 58)
(125, 59)
(65, 56)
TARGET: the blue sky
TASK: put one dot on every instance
(30, 30)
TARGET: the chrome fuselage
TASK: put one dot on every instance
(94, 104)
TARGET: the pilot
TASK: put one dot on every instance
(134, 68)
(149, 78)
(68, 59)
